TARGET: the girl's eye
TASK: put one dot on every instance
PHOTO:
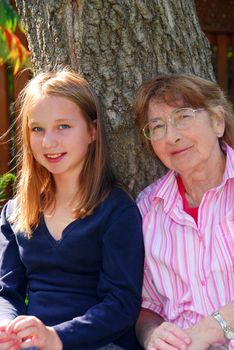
(63, 126)
(37, 129)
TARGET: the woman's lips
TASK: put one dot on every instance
(182, 150)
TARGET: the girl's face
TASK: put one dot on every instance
(59, 135)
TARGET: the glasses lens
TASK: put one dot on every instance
(155, 130)
(182, 118)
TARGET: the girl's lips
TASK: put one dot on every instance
(54, 157)
(180, 150)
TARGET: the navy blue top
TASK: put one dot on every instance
(87, 285)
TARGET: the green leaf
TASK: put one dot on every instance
(9, 17)
(6, 180)
(4, 51)
(12, 50)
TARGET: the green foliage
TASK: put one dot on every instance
(8, 18)
(7, 182)
(12, 50)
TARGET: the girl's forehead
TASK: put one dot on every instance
(53, 102)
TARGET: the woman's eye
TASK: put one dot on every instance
(63, 126)
(184, 116)
(158, 126)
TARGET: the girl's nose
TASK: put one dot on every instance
(49, 140)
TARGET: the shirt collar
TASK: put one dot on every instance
(167, 190)
(229, 168)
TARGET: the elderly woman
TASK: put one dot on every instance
(188, 215)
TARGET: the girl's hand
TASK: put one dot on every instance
(8, 341)
(32, 332)
(167, 336)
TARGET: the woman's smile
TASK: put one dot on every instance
(181, 151)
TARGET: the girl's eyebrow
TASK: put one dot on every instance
(62, 120)
(33, 122)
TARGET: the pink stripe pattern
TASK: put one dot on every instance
(189, 267)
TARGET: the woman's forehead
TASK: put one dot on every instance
(171, 99)
(164, 104)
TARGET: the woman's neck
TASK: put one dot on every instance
(198, 182)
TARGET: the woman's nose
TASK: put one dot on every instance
(49, 140)
(172, 134)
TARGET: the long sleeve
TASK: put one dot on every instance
(13, 282)
(87, 285)
(150, 298)
(119, 286)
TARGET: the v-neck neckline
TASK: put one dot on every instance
(64, 233)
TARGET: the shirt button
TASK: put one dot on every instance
(203, 282)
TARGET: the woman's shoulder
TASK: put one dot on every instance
(150, 190)
(147, 196)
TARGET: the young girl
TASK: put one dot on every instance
(71, 241)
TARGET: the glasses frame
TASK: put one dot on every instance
(169, 121)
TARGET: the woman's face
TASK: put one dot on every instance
(187, 149)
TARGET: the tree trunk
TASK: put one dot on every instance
(116, 45)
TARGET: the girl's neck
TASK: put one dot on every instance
(199, 182)
(66, 188)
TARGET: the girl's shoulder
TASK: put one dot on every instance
(9, 208)
(8, 213)
(116, 211)
(117, 203)
(119, 197)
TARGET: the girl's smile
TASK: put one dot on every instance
(55, 157)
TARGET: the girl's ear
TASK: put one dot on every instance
(93, 131)
(218, 121)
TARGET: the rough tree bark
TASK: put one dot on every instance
(116, 44)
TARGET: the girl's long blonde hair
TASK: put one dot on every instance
(35, 186)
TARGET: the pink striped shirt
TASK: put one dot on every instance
(189, 267)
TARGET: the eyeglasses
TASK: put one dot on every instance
(181, 118)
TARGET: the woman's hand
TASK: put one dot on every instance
(8, 341)
(32, 332)
(207, 333)
(167, 336)
(197, 339)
